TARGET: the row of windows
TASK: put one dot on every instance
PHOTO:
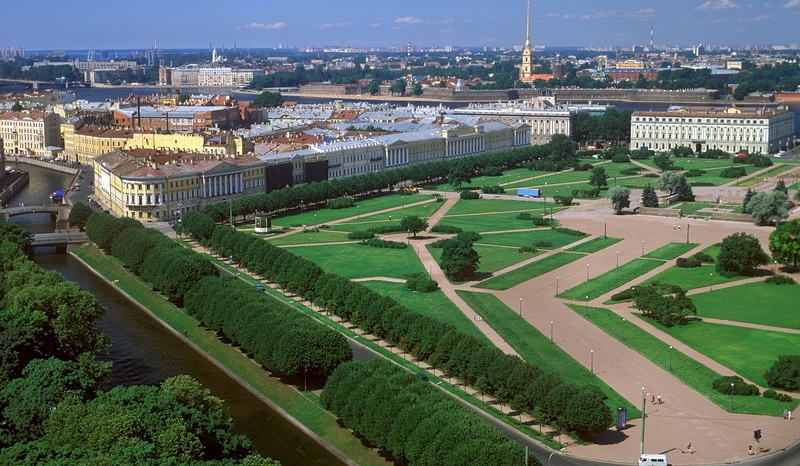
(724, 121)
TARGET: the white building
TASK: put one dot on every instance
(30, 133)
(730, 129)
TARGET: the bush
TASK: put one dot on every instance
(469, 195)
(624, 295)
(703, 257)
(339, 203)
(695, 172)
(493, 189)
(360, 235)
(541, 222)
(527, 249)
(563, 200)
(492, 171)
(783, 398)
(620, 158)
(380, 243)
(785, 373)
(584, 193)
(524, 216)
(641, 154)
(583, 168)
(687, 263)
(781, 280)
(446, 229)
(571, 232)
(651, 175)
(385, 229)
(543, 244)
(421, 282)
(733, 172)
(723, 385)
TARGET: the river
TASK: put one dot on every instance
(143, 352)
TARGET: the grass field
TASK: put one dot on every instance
(537, 348)
(492, 206)
(697, 376)
(371, 262)
(746, 303)
(595, 244)
(671, 251)
(526, 272)
(774, 171)
(494, 258)
(310, 237)
(705, 276)
(499, 221)
(529, 238)
(611, 280)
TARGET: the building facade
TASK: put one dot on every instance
(155, 186)
(30, 132)
(731, 129)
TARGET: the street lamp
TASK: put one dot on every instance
(644, 417)
(587, 305)
(556, 285)
(670, 358)
(520, 307)
(430, 268)
(617, 258)
(710, 281)
(591, 366)
(554, 453)
(642, 248)
(587, 272)
(731, 396)
(687, 233)
(551, 331)
(623, 330)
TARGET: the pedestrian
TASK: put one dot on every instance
(785, 413)
(673, 226)
(750, 450)
(659, 399)
(653, 400)
(689, 448)
(789, 417)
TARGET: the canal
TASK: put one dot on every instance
(144, 352)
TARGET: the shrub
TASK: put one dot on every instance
(492, 171)
(380, 243)
(624, 295)
(524, 216)
(733, 172)
(785, 373)
(723, 385)
(781, 280)
(695, 172)
(543, 244)
(687, 263)
(384, 229)
(698, 184)
(446, 229)
(571, 232)
(339, 203)
(469, 195)
(583, 168)
(421, 282)
(541, 222)
(781, 397)
(360, 235)
(641, 154)
(620, 158)
(469, 236)
(651, 175)
(584, 193)
(563, 200)
(703, 257)
(493, 189)
(526, 249)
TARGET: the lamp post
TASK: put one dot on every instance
(644, 417)
(551, 331)
(623, 330)
(617, 258)
(587, 272)
(430, 268)
(587, 305)
(554, 453)
(710, 281)
(731, 396)
(520, 307)
(687, 233)
(591, 364)
(556, 285)
(642, 248)
(670, 358)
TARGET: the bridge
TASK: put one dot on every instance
(55, 210)
(60, 240)
(28, 83)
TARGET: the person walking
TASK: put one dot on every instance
(659, 399)
(653, 400)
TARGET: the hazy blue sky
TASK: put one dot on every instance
(104, 25)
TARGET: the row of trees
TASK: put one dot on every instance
(521, 384)
(412, 421)
(55, 404)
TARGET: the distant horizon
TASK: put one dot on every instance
(180, 24)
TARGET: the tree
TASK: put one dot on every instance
(649, 197)
(562, 148)
(17, 107)
(79, 215)
(413, 224)
(663, 162)
(739, 254)
(620, 198)
(767, 208)
(460, 172)
(374, 87)
(785, 373)
(683, 189)
(598, 177)
(268, 100)
(784, 243)
(781, 186)
(459, 260)
(416, 89)
(664, 303)
(398, 87)
(667, 182)
(748, 196)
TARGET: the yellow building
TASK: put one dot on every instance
(153, 185)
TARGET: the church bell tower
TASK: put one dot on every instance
(526, 70)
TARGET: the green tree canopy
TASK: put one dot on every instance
(649, 197)
(784, 243)
(766, 208)
(79, 215)
(268, 99)
(598, 177)
(459, 260)
(620, 198)
(414, 224)
(739, 254)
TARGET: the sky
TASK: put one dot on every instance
(104, 25)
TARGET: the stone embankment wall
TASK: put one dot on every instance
(731, 217)
(672, 213)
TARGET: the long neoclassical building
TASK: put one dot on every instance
(731, 129)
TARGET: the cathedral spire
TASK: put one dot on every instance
(526, 70)
(528, 28)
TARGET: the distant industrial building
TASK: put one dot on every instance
(731, 129)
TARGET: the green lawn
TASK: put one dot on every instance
(595, 244)
(435, 305)
(310, 237)
(774, 171)
(756, 303)
(493, 206)
(671, 251)
(537, 348)
(687, 370)
(356, 261)
(494, 258)
(529, 238)
(499, 221)
(611, 280)
(704, 276)
(539, 267)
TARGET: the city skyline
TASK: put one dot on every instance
(365, 24)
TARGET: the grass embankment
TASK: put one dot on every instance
(537, 348)
(294, 402)
(684, 368)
